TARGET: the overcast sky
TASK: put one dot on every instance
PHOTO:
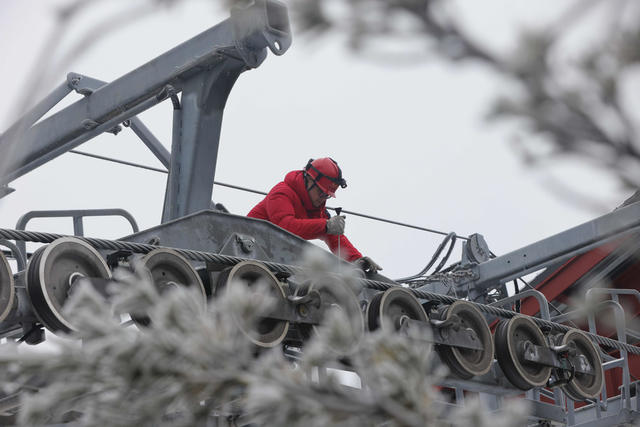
(410, 137)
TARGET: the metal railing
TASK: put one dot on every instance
(77, 215)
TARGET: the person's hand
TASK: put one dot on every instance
(367, 264)
(335, 225)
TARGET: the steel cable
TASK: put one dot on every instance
(41, 237)
(249, 190)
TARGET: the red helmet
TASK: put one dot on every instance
(326, 174)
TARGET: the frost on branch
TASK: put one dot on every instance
(193, 363)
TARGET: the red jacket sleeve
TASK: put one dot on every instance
(281, 212)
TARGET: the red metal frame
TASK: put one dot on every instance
(555, 288)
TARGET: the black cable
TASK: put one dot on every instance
(402, 224)
(433, 260)
(136, 165)
(445, 258)
(249, 190)
(237, 187)
(122, 162)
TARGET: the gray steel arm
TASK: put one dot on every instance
(35, 113)
(557, 248)
(243, 39)
(150, 140)
(194, 147)
(86, 85)
(40, 158)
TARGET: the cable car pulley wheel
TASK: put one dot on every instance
(584, 386)
(390, 307)
(464, 362)
(169, 270)
(267, 332)
(510, 337)
(53, 272)
(7, 288)
(335, 294)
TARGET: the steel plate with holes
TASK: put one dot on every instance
(52, 274)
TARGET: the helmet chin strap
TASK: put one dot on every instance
(309, 188)
(307, 178)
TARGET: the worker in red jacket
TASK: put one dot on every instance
(298, 205)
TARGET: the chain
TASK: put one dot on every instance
(40, 237)
(456, 276)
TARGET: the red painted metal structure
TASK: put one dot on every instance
(613, 265)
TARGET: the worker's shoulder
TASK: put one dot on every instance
(282, 188)
(290, 186)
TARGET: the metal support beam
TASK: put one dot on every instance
(86, 85)
(561, 246)
(242, 38)
(5, 190)
(195, 145)
(36, 113)
(37, 154)
(150, 140)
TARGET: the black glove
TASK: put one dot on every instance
(335, 225)
(367, 264)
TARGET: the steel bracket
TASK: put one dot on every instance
(114, 258)
(304, 309)
(246, 243)
(559, 357)
(259, 24)
(444, 333)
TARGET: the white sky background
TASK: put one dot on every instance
(410, 137)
